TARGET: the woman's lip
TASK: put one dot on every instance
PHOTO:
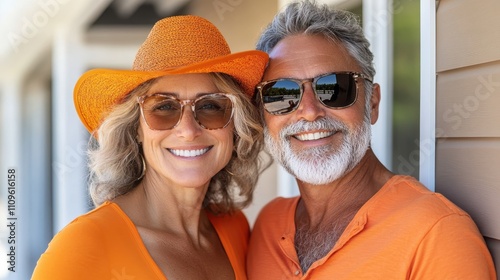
(189, 152)
(310, 136)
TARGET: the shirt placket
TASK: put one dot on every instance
(355, 227)
(288, 248)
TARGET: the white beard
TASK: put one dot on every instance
(324, 164)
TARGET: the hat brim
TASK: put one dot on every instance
(98, 90)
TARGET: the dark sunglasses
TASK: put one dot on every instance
(333, 90)
(163, 112)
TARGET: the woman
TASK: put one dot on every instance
(176, 158)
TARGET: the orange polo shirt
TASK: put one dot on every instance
(104, 244)
(404, 231)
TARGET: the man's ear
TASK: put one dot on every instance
(374, 103)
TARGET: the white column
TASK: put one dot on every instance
(428, 93)
(36, 162)
(11, 102)
(11, 154)
(377, 23)
(69, 138)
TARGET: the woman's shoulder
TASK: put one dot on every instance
(235, 220)
(106, 216)
(78, 247)
(87, 229)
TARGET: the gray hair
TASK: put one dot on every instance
(115, 159)
(308, 17)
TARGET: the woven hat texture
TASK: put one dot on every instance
(175, 45)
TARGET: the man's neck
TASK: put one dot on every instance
(331, 201)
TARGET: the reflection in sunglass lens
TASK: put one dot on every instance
(281, 96)
(333, 91)
(212, 111)
(336, 91)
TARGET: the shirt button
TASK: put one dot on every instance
(297, 272)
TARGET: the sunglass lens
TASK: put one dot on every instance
(336, 90)
(281, 97)
(161, 113)
(213, 112)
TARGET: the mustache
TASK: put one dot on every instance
(324, 123)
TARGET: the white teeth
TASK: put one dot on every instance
(313, 136)
(189, 153)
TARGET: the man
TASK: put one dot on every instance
(354, 219)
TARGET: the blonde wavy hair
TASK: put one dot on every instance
(116, 165)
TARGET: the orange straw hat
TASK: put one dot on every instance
(175, 45)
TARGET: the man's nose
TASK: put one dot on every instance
(310, 108)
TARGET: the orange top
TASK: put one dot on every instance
(404, 231)
(104, 244)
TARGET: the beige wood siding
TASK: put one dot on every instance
(468, 101)
(468, 33)
(468, 111)
(494, 246)
(468, 172)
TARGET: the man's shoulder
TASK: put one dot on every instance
(281, 204)
(277, 210)
(408, 191)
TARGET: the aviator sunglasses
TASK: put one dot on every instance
(334, 90)
(163, 111)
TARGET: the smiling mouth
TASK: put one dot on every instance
(189, 153)
(314, 136)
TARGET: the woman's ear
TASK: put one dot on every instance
(140, 135)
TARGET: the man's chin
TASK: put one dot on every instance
(315, 173)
